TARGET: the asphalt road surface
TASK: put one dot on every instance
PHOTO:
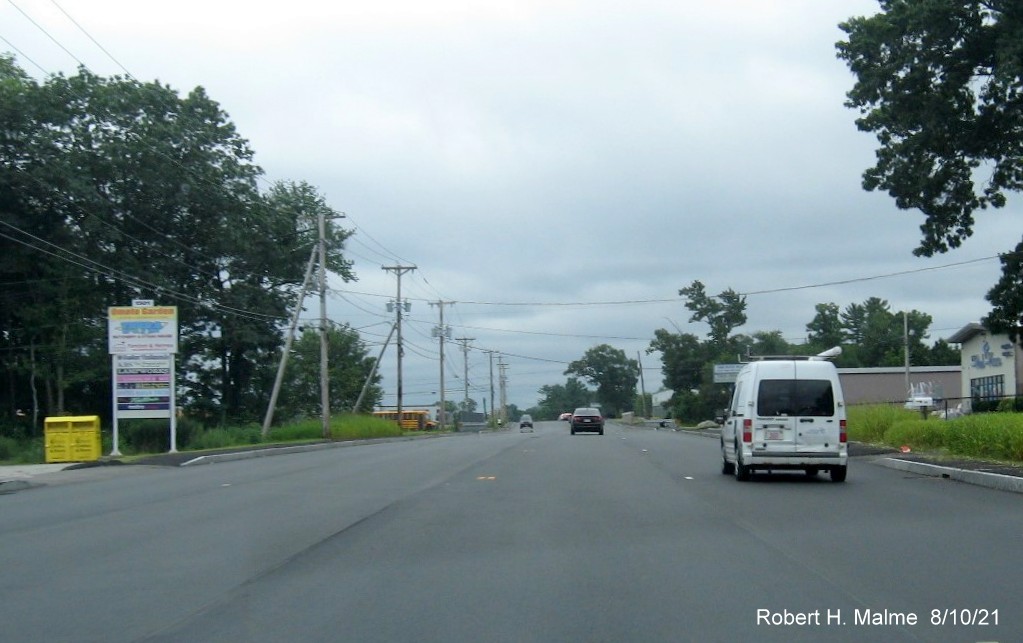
(630, 536)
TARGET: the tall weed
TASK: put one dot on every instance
(223, 438)
(997, 436)
(870, 423)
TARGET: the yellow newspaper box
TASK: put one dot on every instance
(72, 439)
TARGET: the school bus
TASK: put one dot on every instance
(411, 419)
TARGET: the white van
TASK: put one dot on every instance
(786, 414)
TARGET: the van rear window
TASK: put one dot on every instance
(795, 397)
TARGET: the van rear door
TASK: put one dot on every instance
(775, 426)
(817, 424)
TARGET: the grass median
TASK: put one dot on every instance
(137, 438)
(990, 436)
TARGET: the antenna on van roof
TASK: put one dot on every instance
(829, 354)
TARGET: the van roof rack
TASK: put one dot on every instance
(829, 354)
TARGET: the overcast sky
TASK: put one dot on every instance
(542, 162)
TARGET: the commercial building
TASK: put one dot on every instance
(895, 384)
(991, 364)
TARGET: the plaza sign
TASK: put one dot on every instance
(142, 340)
(142, 329)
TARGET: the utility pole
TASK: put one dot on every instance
(324, 387)
(493, 409)
(905, 342)
(373, 371)
(399, 271)
(504, 390)
(464, 341)
(642, 385)
(269, 417)
(442, 332)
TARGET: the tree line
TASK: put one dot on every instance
(870, 333)
(112, 190)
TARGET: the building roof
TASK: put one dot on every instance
(881, 370)
(966, 333)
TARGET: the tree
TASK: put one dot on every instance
(349, 364)
(513, 412)
(111, 190)
(825, 330)
(614, 375)
(876, 336)
(940, 83)
(556, 399)
(682, 359)
(1006, 297)
(943, 354)
(723, 312)
(644, 405)
(770, 343)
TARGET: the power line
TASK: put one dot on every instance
(546, 334)
(99, 268)
(94, 41)
(46, 33)
(871, 278)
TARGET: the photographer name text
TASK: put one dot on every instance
(866, 616)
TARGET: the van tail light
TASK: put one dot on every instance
(841, 432)
(747, 430)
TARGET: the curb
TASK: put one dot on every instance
(213, 458)
(10, 486)
(979, 478)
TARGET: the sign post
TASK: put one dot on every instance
(143, 340)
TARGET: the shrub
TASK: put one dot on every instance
(27, 451)
(983, 406)
(145, 436)
(1005, 405)
(8, 447)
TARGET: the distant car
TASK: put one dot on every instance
(587, 419)
(526, 424)
(567, 417)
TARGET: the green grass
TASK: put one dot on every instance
(25, 451)
(992, 436)
(154, 439)
(870, 423)
(345, 427)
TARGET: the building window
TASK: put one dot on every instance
(987, 388)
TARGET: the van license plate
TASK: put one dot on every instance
(774, 435)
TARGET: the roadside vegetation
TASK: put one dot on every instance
(144, 437)
(989, 436)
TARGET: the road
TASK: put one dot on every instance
(630, 536)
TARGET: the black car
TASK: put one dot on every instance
(525, 424)
(587, 419)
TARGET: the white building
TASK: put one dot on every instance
(991, 363)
